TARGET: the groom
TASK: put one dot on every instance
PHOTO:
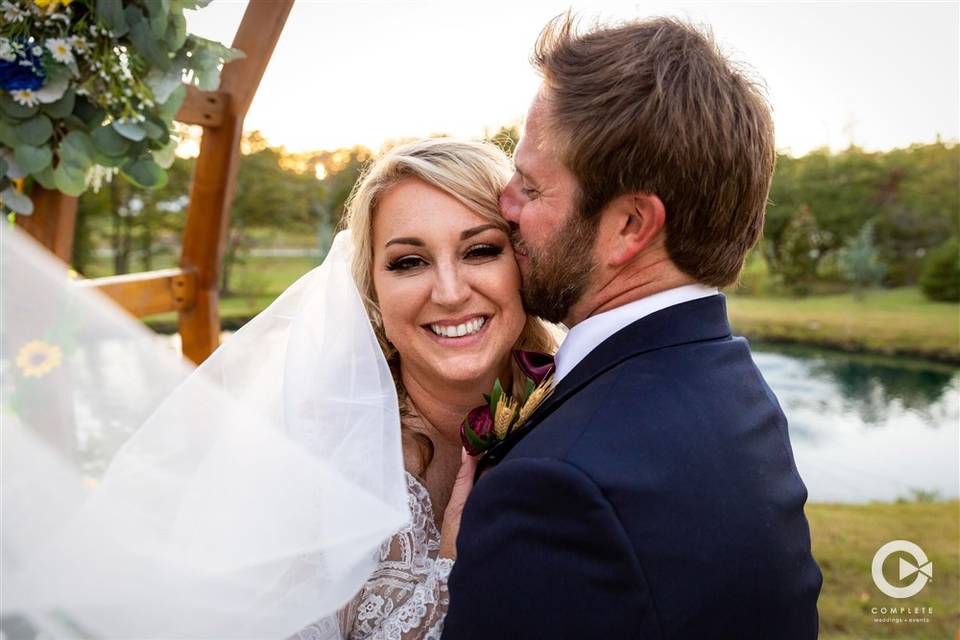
(654, 495)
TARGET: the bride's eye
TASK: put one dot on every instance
(405, 263)
(482, 251)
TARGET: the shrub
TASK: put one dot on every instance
(941, 274)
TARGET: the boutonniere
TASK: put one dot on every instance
(490, 423)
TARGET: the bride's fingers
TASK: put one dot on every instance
(458, 498)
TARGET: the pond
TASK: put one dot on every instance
(867, 427)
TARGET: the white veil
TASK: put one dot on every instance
(245, 499)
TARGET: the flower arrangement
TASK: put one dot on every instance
(490, 423)
(89, 88)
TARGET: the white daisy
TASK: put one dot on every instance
(60, 50)
(26, 97)
(11, 13)
(6, 51)
(78, 44)
(36, 51)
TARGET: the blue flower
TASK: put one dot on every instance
(24, 72)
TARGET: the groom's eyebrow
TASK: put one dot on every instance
(524, 175)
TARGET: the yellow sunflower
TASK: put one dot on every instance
(37, 358)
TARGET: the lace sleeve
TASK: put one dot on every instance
(406, 596)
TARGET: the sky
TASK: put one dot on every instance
(878, 75)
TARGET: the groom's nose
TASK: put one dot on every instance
(510, 205)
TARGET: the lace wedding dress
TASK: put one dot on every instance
(406, 597)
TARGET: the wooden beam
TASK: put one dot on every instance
(215, 175)
(202, 107)
(149, 292)
(53, 221)
(256, 37)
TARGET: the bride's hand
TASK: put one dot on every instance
(451, 517)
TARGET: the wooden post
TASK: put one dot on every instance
(215, 176)
(52, 222)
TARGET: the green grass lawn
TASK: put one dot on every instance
(845, 538)
(893, 321)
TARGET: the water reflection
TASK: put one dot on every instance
(867, 427)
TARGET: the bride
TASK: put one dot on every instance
(434, 264)
(315, 453)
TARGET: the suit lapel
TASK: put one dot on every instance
(694, 321)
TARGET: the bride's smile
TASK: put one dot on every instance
(446, 282)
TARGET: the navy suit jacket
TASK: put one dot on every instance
(654, 495)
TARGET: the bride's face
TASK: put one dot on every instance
(447, 285)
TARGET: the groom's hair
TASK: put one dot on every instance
(654, 107)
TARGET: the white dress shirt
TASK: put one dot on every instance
(587, 335)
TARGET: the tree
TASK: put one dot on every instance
(941, 276)
(799, 251)
(267, 195)
(860, 262)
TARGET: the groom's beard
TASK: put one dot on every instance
(558, 273)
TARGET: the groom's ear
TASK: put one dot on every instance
(633, 224)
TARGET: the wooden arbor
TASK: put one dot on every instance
(190, 289)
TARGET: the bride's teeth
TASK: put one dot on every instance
(460, 330)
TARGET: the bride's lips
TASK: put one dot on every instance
(462, 341)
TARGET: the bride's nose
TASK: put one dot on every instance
(450, 288)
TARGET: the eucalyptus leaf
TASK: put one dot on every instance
(176, 32)
(16, 201)
(159, 14)
(36, 130)
(62, 107)
(112, 12)
(162, 84)
(54, 88)
(166, 155)
(207, 79)
(14, 109)
(153, 129)
(143, 39)
(144, 172)
(32, 159)
(108, 161)
(8, 135)
(14, 172)
(69, 179)
(219, 51)
(169, 108)
(108, 142)
(73, 123)
(179, 6)
(129, 130)
(45, 178)
(76, 150)
(91, 114)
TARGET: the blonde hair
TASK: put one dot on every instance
(472, 172)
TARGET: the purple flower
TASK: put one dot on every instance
(535, 365)
(476, 431)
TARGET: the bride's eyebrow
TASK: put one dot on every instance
(469, 233)
(416, 242)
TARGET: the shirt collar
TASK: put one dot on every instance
(588, 334)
